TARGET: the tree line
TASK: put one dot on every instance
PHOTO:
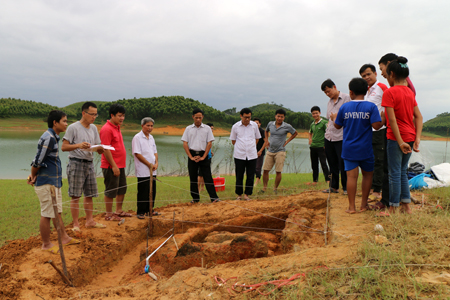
(439, 125)
(173, 109)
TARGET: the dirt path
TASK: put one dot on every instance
(109, 262)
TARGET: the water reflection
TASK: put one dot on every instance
(19, 148)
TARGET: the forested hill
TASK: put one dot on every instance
(438, 125)
(176, 110)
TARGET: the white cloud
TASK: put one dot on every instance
(223, 53)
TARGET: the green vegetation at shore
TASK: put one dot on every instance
(169, 110)
(439, 125)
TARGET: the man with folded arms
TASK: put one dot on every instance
(244, 136)
(197, 141)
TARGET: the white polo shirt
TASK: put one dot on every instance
(245, 137)
(197, 137)
(375, 95)
(147, 148)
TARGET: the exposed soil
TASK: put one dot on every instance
(280, 237)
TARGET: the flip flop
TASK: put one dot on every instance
(155, 213)
(76, 229)
(239, 198)
(113, 217)
(379, 206)
(97, 225)
(215, 201)
(123, 214)
(72, 242)
(247, 198)
(141, 217)
(373, 198)
(382, 214)
(52, 250)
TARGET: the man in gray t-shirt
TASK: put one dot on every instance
(80, 171)
(275, 140)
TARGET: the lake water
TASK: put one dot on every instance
(19, 148)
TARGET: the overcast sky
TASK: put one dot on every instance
(223, 53)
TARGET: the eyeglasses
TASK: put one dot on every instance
(91, 114)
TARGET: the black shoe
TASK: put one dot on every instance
(330, 190)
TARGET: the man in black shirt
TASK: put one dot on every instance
(261, 152)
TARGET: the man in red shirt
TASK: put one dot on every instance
(113, 163)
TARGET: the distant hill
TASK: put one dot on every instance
(17, 107)
(170, 110)
(266, 112)
(439, 125)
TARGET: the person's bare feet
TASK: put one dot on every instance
(349, 211)
(405, 208)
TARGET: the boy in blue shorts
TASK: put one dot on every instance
(358, 117)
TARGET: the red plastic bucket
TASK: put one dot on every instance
(219, 184)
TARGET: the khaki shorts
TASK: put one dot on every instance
(276, 159)
(45, 198)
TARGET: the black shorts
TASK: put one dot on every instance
(114, 185)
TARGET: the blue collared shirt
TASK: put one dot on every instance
(47, 160)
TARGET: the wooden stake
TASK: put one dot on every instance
(59, 272)
(59, 230)
(151, 202)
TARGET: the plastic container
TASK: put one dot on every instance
(219, 184)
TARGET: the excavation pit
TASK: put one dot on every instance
(298, 225)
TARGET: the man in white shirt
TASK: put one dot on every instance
(244, 136)
(145, 157)
(374, 95)
(197, 141)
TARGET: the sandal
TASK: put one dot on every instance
(113, 217)
(155, 213)
(330, 190)
(378, 206)
(123, 214)
(141, 217)
(239, 198)
(247, 198)
(382, 214)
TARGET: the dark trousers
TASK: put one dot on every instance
(143, 194)
(205, 167)
(385, 188)
(318, 154)
(259, 164)
(241, 167)
(333, 150)
(379, 147)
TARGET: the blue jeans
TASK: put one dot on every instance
(398, 177)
